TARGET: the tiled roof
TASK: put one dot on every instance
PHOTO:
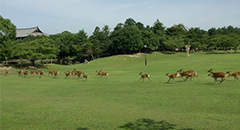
(25, 32)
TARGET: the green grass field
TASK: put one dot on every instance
(122, 101)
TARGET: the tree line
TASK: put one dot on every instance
(126, 38)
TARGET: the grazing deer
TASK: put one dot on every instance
(235, 75)
(217, 75)
(25, 73)
(68, 74)
(20, 72)
(57, 73)
(85, 76)
(7, 72)
(41, 73)
(144, 76)
(176, 75)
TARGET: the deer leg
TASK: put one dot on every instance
(186, 78)
(169, 80)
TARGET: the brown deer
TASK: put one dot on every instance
(104, 74)
(217, 75)
(25, 73)
(73, 73)
(176, 75)
(144, 76)
(235, 75)
(7, 72)
(99, 73)
(50, 72)
(41, 73)
(56, 74)
(20, 72)
(33, 73)
(85, 76)
(79, 75)
(68, 74)
(187, 74)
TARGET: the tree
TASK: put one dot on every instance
(127, 40)
(159, 30)
(36, 49)
(150, 39)
(130, 22)
(7, 38)
(173, 43)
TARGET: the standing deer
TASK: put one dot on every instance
(217, 75)
(235, 75)
(176, 75)
(144, 76)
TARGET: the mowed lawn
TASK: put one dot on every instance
(122, 101)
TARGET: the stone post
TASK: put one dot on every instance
(187, 49)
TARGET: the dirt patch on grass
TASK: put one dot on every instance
(135, 55)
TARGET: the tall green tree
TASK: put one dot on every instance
(127, 40)
(7, 38)
(160, 32)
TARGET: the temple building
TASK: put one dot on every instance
(26, 32)
(183, 27)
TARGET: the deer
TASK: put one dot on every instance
(99, 73)
(73, 73)
(32, 72)
(144, 76)
(79, 75)
(187, 74)
(25, 73)
(41, 73)
(20, 72)
(7, 72)
(176, 75)
(56, 73)
(235, 75)
(218, 75)
(68, 74)
(85, 76)
(50, 72)
(104, 74)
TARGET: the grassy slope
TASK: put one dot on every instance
(48, 103)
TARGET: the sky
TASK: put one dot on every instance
(56, 16)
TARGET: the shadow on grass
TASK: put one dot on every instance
(149, 124)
